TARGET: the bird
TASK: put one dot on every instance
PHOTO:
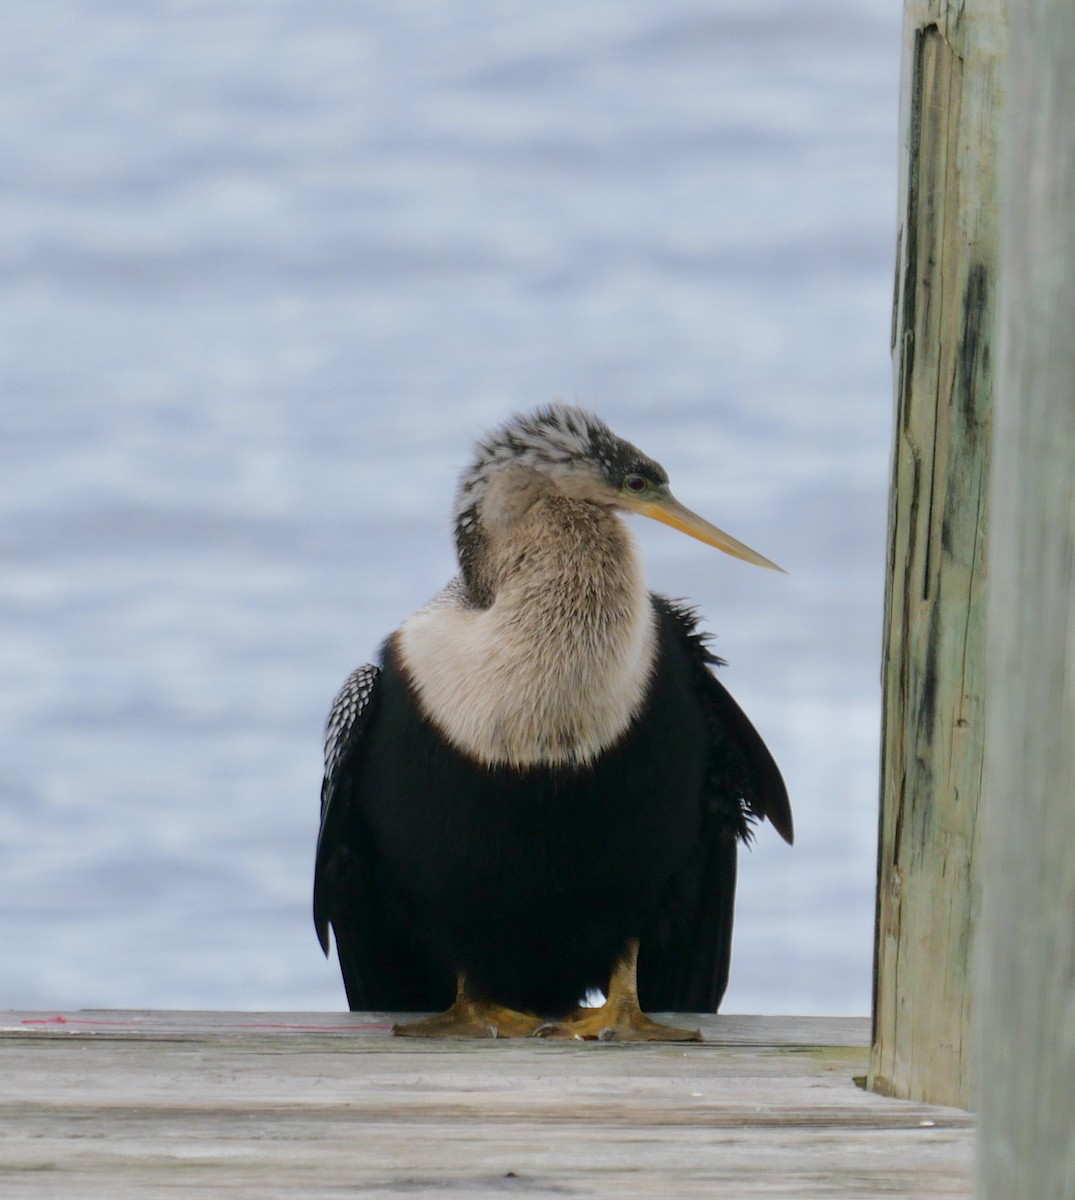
(533, 799)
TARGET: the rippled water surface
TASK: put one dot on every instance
(265, 270)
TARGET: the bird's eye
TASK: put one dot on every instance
(635, 483)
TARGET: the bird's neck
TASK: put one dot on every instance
(557, 665)
(568, 562)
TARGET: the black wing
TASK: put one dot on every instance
(383, 970)
(349, 720)
(685, 967)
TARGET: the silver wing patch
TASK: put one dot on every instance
(350, 701)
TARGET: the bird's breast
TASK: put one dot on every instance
(525, 684)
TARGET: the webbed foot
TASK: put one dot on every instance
(621, 1025)
(470, 1018)
(619, 1019)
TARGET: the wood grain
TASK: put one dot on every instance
(263, 1105)
(934, 654)
(1027, 944)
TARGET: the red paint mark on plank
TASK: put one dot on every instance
(60, 1019)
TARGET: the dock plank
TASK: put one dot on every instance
(126, 1104)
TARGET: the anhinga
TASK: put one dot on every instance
(539, 790)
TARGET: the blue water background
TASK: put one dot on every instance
(266, 268)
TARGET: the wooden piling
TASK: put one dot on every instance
(1027, 936)
(933, 668)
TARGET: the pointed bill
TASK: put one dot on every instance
(669, 511)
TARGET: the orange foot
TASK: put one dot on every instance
(620, 1018)
(615, 1023)
(469, 1018)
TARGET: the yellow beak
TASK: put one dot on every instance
(669, 511)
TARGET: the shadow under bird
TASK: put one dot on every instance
(539, 789)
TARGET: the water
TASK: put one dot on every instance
(265, 270)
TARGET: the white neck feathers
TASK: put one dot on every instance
(555, 669)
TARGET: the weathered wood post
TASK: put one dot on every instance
(1026, 1021)
(933, 670)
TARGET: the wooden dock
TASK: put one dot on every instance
(156, 1104)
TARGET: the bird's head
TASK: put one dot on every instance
(565, 449)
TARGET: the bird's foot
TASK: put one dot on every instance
(469, 1018)
(614, 1021)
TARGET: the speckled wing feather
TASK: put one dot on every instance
(352, 706)
(384, 968)
(351, 713)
